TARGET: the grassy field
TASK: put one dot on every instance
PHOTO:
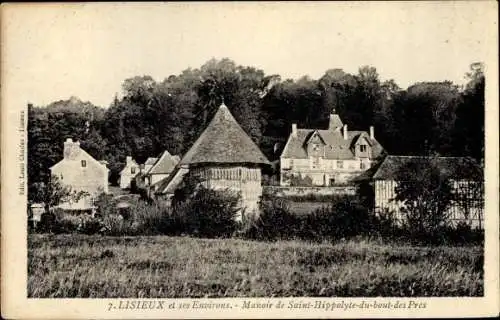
(130, 267)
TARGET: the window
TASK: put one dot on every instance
(362, 165)
(315, 147)
(84, 163)
(340, 164)
(132, 170)
(362, 148)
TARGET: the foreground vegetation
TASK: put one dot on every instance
(160, 266)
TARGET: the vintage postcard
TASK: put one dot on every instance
(249, 160)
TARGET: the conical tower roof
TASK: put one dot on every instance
(224, 141)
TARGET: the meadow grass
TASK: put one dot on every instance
(159, 266)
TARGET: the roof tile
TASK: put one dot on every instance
(224, 141)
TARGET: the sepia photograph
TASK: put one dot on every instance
(295, 151)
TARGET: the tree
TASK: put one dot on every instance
(468, 131)
(426, 195)
(54, 193)
(424, 116)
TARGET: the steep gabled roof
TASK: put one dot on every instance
(86, 155)
(311, 135)
(165, 164)
(170, 183)
(336, 146)
(132, 163)
(224, 141)
(150, 161)
(362, 135)
(454, 167)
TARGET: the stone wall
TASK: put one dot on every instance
(304, 191)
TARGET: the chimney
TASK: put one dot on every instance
(372, 132)
(71, 148)
(129, 159)
(345, 132)
(294, 129)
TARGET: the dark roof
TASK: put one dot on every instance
(336, 146)
(165, 164)
(224, 141)
(453, 167)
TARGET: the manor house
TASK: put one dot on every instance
(328, 157)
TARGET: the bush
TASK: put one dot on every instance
(274, 222)
(105, 204)
(149, 219)
(208, 213)
(89, 225)
(115, 225)
(343, 219)
(58, 221)
(462, 233)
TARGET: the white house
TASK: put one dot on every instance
(162, 168)
(128, 173)
(81, 172)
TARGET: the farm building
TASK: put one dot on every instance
(225, 158)
(81, 172)
(328, 157)
(161, 169)
(149, 163)
(466, 181)
(128, 173)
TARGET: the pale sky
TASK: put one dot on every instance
(52, 52)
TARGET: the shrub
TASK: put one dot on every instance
(149, 219)
(274, 222)
(88, 224)
(204, 212)
(343, 219)
(105, 204)
(426, 193)
(208, 213)
(115, 225)
(298, 180)
(60, 221)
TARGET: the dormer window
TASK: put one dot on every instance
(362, 148)
(84, 163)
(132, 170)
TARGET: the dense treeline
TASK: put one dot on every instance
(427, 118)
